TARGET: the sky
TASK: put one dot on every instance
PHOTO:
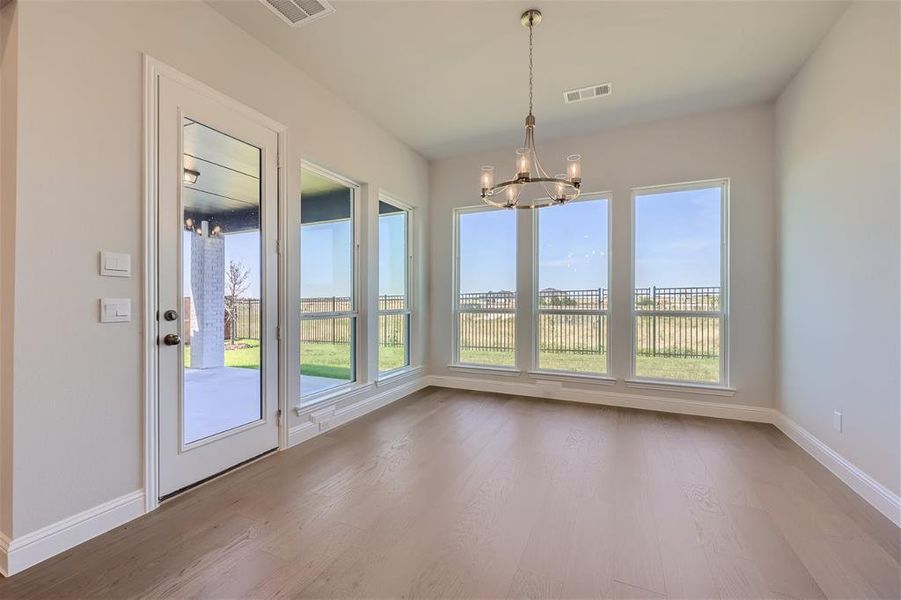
(572, 246)
(487, 251)
(572, 243)
(392, 254)
(677, 239)
(677, 245)
(326, 259)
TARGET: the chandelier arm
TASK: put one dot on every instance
(540, 170)
(538, 167)
(542, 175)
(495, 204)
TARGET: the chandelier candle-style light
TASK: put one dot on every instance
(529, 172)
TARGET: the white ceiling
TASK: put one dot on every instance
(451, 76)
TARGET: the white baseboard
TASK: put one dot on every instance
(556, 391)
(311, 428)
(22, 552)
(879, 496)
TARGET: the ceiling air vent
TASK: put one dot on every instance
(587, 93)
(299, 12)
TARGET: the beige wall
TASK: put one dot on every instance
(736, 143)
(838, 124)
(8, 105)
(78, 391)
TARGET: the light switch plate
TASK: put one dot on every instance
(115, 264)
(115, 310)
(837, 421)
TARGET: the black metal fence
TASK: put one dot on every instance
(245, 322)
(664, 325)
(483, 324)
(677, 332)
(680, 299)
(393, 330)
(338, 330)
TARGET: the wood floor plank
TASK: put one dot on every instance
(590, 560)
(673, 471)
(461, 494)
(637, 560)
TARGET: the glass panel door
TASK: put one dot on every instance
(216, 286)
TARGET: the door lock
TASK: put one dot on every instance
(170, 315)
(172, 339)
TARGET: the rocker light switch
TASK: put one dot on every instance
(115, 264)
(115, 310)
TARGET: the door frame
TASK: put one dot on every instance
(153, 71)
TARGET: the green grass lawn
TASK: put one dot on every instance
(322, 360)
(652, 367)
(686, 369)
(325, 360)
(245, 358)
(391, 357)
(333, 360)
(557, 361)
(580, 363)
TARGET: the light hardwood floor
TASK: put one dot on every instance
(461, 494)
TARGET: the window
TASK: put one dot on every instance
(328, 306)
(485, 295)
(572, 268)
(680, 294)
(394, 304)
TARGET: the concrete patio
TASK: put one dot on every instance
(222, 398)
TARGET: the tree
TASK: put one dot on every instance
(237, 278)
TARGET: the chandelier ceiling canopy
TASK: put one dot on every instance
(517, 192)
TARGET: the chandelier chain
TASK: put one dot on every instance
(530, 68)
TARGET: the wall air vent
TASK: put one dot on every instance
(588, 93)
(299, 12)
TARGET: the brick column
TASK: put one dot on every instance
(208, 291)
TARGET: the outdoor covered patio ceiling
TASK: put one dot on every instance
(227, 189)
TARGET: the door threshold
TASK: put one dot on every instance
(206, 480)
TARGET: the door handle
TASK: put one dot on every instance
(172, 339)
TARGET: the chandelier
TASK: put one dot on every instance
(529, 172)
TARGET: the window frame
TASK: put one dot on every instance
(455, 305)
(724, 183)
(407, 311)
(357, 341)
(537, 311)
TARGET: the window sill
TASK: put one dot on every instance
(574, 377)
(397, 375)
(677, 386)
(317, 401)
(486, 370)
